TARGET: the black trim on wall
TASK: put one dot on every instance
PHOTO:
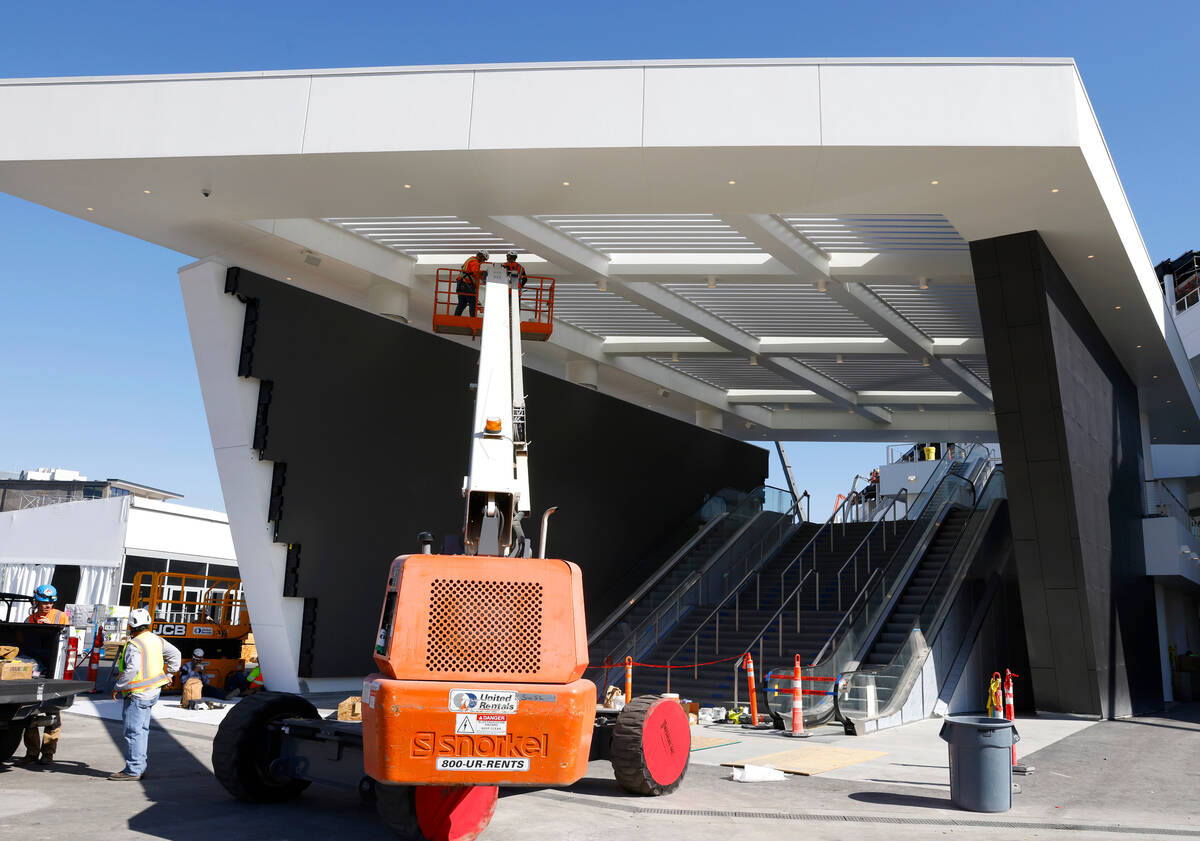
(1068, 422)
(371, 419)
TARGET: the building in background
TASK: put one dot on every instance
(94, 537)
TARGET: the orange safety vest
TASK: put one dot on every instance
(473, 270)
(151, 673)
(53, 616)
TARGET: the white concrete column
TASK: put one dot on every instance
(389, 298)
(230, 402)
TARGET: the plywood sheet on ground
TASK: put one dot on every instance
(702, 742)
(810, 759)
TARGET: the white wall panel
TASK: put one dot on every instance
(88, 532)
(732, 106)
(557, 109)
(166, 532)
(205, 117)
(936, 105)
(387, 113)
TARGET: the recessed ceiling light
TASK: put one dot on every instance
(566, 183)
(1168, 401)
(1156, 376)
(147, 192)
(732, 182)
(1117, 307)
(408, 186)
(1054, 189)
(289, 277)
(91, 210)
(934, 183)
(1139, 346)
(1091, 256)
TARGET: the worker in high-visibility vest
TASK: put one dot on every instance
(469, 280)
(40, 748)
(145, 665)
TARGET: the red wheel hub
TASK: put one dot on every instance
(666, 741)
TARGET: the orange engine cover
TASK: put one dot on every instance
(467, 733)
(480, 661)
(483, 618)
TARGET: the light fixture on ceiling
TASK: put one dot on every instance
(1139, 347)
(732, 182)
(712, 281)
(838, 359)
(289, 277)
(147, 192)
(820, 284)
(1054, 189)
(787, 407)
(1156, 376)
(674, 356)
(925, 362)
(1091, 256)
(921, 408)
(91, 210)
(753, 360)
(1117, 307)
(1168, 401)
(566, 183)
(408, 186)
(311, 258)
(934, 182)
(924, 283)
(602, 284)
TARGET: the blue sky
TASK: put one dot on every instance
(97, 370)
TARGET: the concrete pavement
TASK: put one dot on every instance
(1136, 778)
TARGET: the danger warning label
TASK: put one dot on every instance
(484, 724)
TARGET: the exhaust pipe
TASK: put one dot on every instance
(545, 530)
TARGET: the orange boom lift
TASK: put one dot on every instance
(480, 656)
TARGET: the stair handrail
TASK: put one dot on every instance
(785, 526)
(763, 555)
(665, 568)
(620, 613)
(921, 545)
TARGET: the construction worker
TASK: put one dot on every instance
(469, 280)
(145, 665)
(41, 750)
(511, 265)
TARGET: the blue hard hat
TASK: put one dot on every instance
(45, 593)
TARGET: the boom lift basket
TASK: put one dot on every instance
(537, 307)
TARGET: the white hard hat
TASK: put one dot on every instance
(198, 653)
(139, 618)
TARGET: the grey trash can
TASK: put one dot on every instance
(980, 761)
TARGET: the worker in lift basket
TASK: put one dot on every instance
(469, 280)
(145, 665)
(44, 613)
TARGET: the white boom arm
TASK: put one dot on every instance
(497, 485)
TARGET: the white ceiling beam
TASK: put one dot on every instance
(778, 396)
(781, 345)
(794, 251)
(582, 261)
(655, 374)
(328, 240)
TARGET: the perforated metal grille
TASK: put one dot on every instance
(484, 626)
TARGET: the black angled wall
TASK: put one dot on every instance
(368, 423)
(1068, 422)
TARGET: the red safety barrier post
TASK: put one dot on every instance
(1010, 712)
(93, 670)
(628, 679)
(72, 657)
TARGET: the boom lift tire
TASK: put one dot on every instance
(436, 813)
(10, 740)
(650, 745)
(245, 747)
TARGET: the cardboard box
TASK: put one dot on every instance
(350, 709)
(16, 670)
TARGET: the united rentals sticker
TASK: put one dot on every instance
(483, 701)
